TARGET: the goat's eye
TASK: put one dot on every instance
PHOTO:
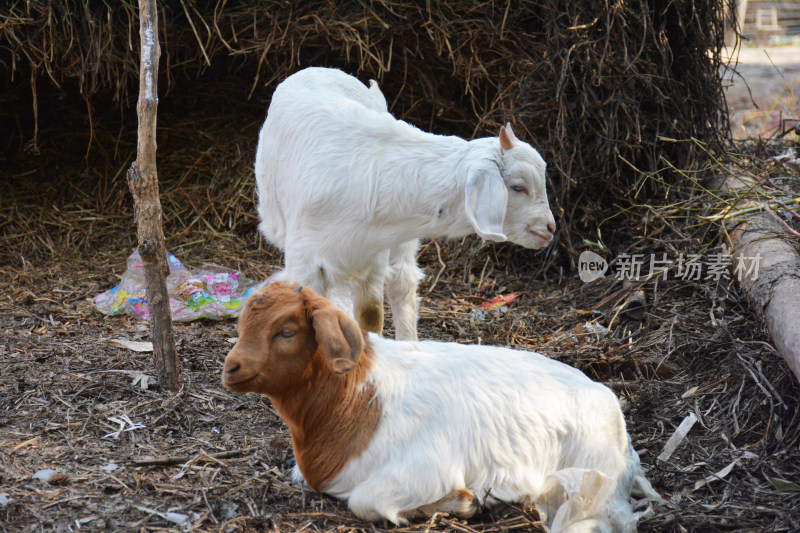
(286, 333)
(519, 188)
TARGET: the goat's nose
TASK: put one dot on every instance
(551, 226)
(232, 367)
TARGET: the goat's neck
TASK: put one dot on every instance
(435, 191)
(331, 418)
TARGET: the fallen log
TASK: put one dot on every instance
(766, 264)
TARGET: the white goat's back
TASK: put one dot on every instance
(331, 84)
(306, 107)
(331, 161)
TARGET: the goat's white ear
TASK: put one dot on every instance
(507, 137)
(339, 336)
(485, 202)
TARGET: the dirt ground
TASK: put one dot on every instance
(765, 91)
(133, 458)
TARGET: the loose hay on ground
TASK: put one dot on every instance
(695, 350)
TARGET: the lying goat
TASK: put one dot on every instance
(346, 191)
(401, 428)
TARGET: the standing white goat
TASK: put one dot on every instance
(396, 428)
(346, 191)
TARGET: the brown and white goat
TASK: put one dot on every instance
(397, 428)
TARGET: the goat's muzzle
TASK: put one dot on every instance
(234, 377)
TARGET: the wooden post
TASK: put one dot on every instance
(143, 182)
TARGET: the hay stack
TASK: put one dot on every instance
(603, 88)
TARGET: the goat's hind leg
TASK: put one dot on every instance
(461, 503)
(302, 270)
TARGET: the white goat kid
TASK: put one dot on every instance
(346, 191)
(401, 428)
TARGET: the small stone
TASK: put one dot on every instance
(45, 474)
(110, 467)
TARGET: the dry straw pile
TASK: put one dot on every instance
(603, 88)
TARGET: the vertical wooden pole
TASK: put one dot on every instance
(143, 182)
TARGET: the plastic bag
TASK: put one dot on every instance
(212, 292)
(580, 499)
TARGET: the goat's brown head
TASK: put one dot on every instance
(286, 335)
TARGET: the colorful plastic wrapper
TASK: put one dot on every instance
(212, 292)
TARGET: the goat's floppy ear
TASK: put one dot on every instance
(340, 338)
(507, 137)
(485, 202)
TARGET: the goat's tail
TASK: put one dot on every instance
(376, 99)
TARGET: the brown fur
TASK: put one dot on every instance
(370, 318)
(313, 378)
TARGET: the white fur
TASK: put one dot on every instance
(510, 426)
(346, 191)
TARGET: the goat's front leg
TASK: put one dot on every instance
(368, 296)
(401, 289)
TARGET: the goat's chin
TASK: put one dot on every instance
(529, 239)
(542, 241)
(240, 385)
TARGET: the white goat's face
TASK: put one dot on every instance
(506, 200)
(528, 221)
